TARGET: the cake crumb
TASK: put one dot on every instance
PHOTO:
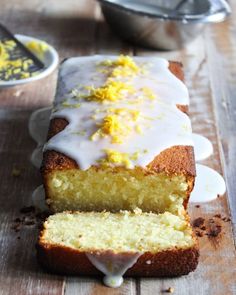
(18, 93)
(217, 215)
(16, 227)
(137, 211)
(199, 234)
(170, 290)
(198, 222)
(214, 231)
(16, 172)
(29, 222)
(226, 219)
(28, 209)
(17, 220)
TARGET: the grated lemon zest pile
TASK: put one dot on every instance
(115, 157)
(66, 104)
(38, 48)
(124, 66)
(112, 126)
(135, 114)
(111, 91)
(119, 158)
(148, 92)
(13, 69)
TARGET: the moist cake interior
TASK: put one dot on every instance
(112, 190)
(121, 232)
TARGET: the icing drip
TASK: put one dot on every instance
(37, 156)
(157, 124)
(203, 148)
(39, 123)
(113, 266)
(208, 185)
(38, 129)
(38, 199)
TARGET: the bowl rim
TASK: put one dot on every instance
(45, 72)
(210, 16)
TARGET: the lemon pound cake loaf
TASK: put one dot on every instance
(143, 244)
(119, 137)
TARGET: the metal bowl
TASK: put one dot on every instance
(162, 24)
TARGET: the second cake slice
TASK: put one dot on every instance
(143, 244)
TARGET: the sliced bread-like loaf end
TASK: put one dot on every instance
(157, 244)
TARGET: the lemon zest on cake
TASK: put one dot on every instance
(139, 129)
(134, 114)
(122, 72)
(112, 126)
(119, 158)
(126, 61)
(116, 157)
(135, 156)
(186, 128)
(81, 132)
(67, 104)
(124, 66)
(148, 92)
(111, 91)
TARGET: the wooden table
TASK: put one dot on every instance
(77, 28)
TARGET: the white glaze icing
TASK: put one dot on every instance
(164, 125)
(203, 148)
(113, 266)
(38, 199)
(39, 123)
(208, 185)
(38, 128)
(37, 156)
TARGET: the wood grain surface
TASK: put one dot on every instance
(77, 28)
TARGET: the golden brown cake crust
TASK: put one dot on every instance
(175, 160)
(169, 263)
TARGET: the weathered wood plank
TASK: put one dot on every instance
(221, 54)
(19, 270)
(93, 286)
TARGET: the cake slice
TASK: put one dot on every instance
(143, 244)
(130, 149)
